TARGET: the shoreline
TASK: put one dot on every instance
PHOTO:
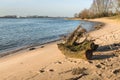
(49, 63)
(87, 20)
(99, 24)
(33, 47)
(13, 51)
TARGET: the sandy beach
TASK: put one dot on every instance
(47, 63)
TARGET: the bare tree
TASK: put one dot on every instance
(118, 1)
(101, 6)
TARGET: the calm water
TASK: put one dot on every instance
(18, 33)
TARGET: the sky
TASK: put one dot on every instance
(62, 8)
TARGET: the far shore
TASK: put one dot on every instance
(48, 63)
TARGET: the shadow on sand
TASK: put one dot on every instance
(106, 48)
(99, 57)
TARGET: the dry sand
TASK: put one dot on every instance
(48, 63)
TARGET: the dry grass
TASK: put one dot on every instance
(115, 17)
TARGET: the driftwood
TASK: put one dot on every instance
(75, 35)
(71, 47)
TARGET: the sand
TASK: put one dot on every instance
(47, 63)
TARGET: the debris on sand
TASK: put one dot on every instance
(77, 45)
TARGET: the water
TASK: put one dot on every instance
(19, 33)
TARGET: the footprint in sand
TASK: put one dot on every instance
(116, 71)
(98, 66)
(90, 62)
(51, 70)
(42, 71)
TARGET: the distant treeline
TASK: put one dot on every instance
(9, 16)
(100, 8)
(14, 16)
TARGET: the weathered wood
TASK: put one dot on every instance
(73, 49)
(75, 35)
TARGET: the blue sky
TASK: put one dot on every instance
(42, 7)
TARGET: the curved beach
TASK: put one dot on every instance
(47, 62)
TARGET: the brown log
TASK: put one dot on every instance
(75, 35)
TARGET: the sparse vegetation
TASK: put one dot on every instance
(117, 17)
